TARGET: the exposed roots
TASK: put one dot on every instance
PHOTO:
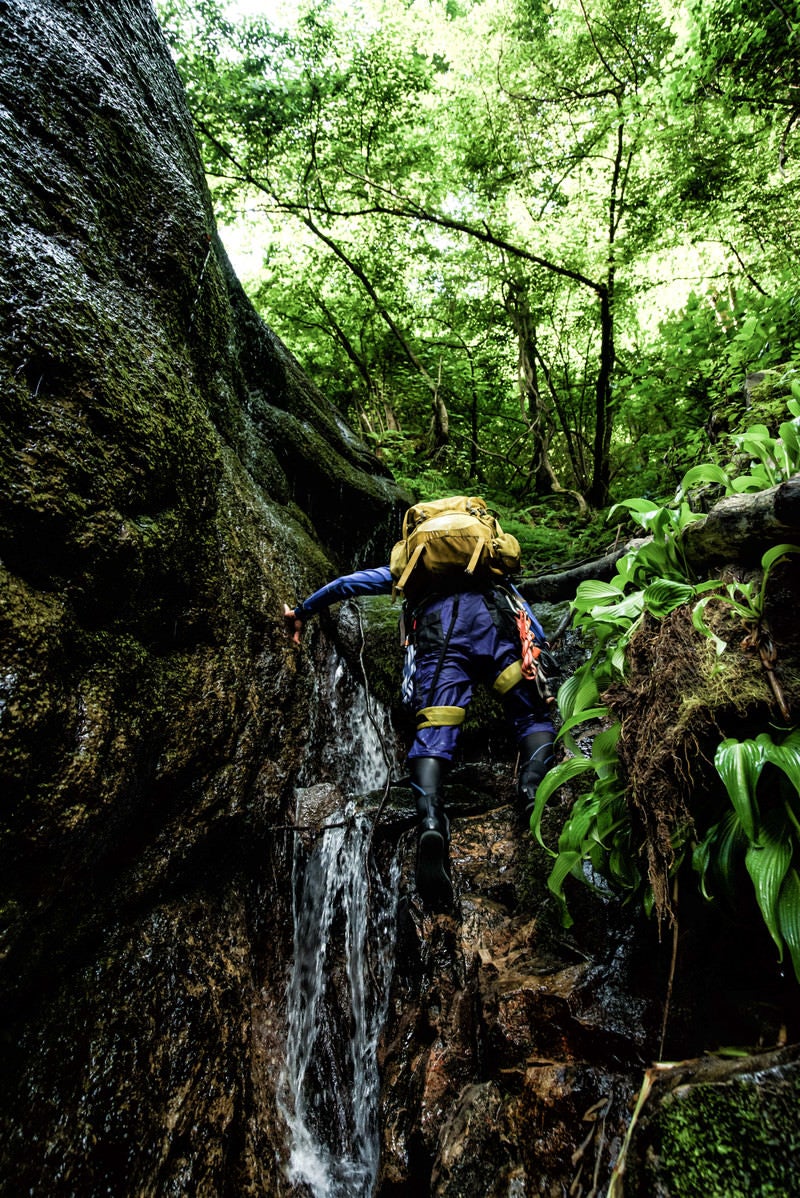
(679, 700)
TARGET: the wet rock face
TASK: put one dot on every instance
(162, 460)
(515, 1049)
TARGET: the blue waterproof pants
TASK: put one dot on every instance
(460, 642)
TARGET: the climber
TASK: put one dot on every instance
(466, 631)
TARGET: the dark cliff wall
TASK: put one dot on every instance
(167, 478)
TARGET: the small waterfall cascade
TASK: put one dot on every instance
(344, 742)
(344, 933)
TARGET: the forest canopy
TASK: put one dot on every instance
(544, 249)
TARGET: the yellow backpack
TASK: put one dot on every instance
(451, 541)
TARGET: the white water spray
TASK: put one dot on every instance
(344, 922)
(345, 744)
(337, 997)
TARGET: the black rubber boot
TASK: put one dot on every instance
(536, 757)
(433, 834)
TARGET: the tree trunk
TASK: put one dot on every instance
(562, 585)
(598, 493)
(440, 421)
(533, 405)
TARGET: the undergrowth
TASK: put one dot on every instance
(695, 638)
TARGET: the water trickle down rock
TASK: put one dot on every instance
(344, 915)
(344, 908)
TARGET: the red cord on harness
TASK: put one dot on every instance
(528, 647)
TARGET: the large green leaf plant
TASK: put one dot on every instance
(772, 460)
(595, 842)
(761, 776)
(762, 829)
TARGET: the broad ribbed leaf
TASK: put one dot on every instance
(597, 857)
(626, 568)
(711, 584)
(786, 755)
(565, 863)
(759, 443)
(789, 447)
(591, 713)
(629, 609)
(617, 658)
(789, 916)
(719, 853)
(609, 822)
(708, 473)
(743, 599)
(592, 591)
(767, 863)
(663, 596)
(634, 505)
(790, 435)
(623, 869)
(772, 555)
(739, 764)
(568, 691)
(604, 746)
(575, 832)
(701, 858)
(565, 771)
(748, 484)
(701, 626)
(588, 694)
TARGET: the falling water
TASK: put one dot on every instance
(344, 917)
(350, 733)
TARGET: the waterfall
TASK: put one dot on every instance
(344, 743)
(344, 921)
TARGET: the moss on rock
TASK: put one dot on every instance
(719, 1129)
(168, 478)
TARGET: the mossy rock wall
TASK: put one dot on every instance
(716, 1128)
(168, 477)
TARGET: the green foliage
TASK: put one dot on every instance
(492, 205)
(772, 460)
(762, 780)
(699, 380)
(650, 578)
(747, 52)
(746, 599)
(551, 537)
(596, 841)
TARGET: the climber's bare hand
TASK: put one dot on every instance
(294, 627)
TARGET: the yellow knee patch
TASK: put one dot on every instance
(440, 717)
(508, 678)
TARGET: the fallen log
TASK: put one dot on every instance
(740, 528)
(555, 588)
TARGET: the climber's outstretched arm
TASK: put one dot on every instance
(377, 581)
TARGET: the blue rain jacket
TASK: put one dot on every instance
(479, 647)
